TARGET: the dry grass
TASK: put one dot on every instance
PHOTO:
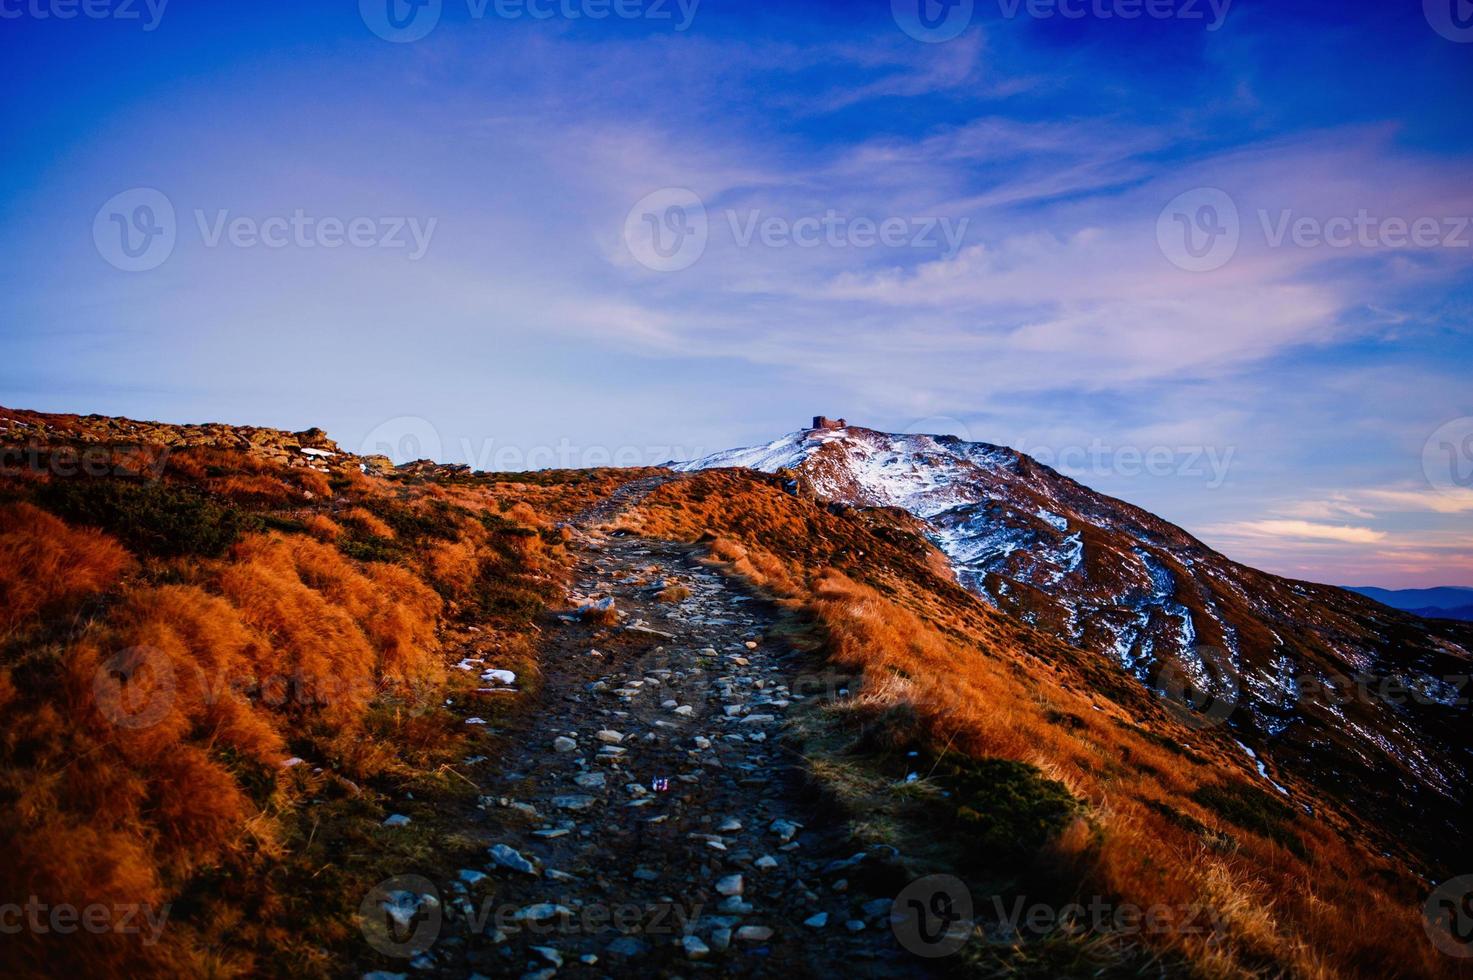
(1291, 895)
(44, 564)
(673, 593)
(150, 699)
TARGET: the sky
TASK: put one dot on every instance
(1210, 256)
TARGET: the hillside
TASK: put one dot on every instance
(1319, 685)
(310, 704)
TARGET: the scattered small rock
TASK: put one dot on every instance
(511, 859)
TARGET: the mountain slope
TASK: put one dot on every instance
(1316, 682)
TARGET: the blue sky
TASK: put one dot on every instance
(1304, 406)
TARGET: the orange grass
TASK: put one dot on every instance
(990, 687)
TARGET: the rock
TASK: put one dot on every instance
(397, 820)
(626, 946)
(751, 644)
(721, 939)
(877, 908)
(645, 874)
(564, 744)
(786, 830)
(765, 863)
(590, 780)
(847, 864)
(511, 859)
(817, 921)
(549, 954)
(542, 912)
(754, 934)
(471, 877)
(855, 925)
(685, 711)
(759, 719)
(695, 947)
(735, 906)
(609, 737)
(588, 958)
(701, 742)
(729, 826)
(573, 802)
(730, 885)
(546, 974)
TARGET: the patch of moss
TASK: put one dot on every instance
(152, 518)
(1252, 809)
(370, 547)
(1007, 809)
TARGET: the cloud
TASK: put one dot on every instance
(1436, 501)
(1303, 530)
(1327, 510)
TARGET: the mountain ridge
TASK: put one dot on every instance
(1110, 577)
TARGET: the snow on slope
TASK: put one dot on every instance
(1114, 579)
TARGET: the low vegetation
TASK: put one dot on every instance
(221, 670)
(1053, 777)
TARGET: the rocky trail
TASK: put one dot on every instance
(647, 817)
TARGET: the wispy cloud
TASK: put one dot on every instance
(1301, 530)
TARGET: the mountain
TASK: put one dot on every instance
(245, 669)
(1441, 602)
(1464, 613)
(1314, 681)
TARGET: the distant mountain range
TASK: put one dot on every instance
(1446, 602)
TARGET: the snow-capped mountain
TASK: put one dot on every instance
(1291, 661)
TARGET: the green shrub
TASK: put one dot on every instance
(1252, 809)
(151, 518)
(1008, 810)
